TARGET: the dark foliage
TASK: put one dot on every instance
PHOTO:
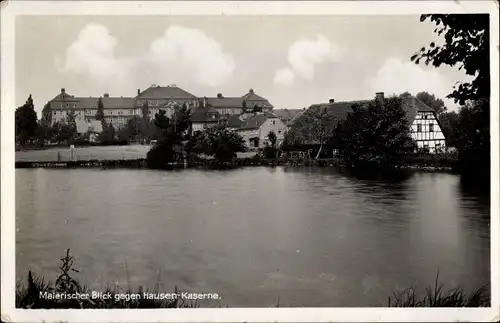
(100, 110)
(466, 45)
(222, 144)
(25, 121)
(174, 133)
(108, 133)
(374, 136)
(46, 119)
(271, 151)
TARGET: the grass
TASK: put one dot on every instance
(436, 296)
(30, 295)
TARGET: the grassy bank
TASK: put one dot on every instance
(35, 294)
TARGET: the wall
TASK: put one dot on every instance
(274, 124)
(425, 137)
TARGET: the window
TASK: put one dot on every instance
(55, 112)
(419, 128)
(431, 127)
(425, 116)
(274, 121)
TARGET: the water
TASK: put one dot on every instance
(305, 237)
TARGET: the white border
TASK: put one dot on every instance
(13, 8)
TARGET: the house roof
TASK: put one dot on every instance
(340, 110)
(252, 97)
(108, 103)
(230, 102)
(232, 121)
(413, 105)
(203, 115)
(91, 102)
(287, 114)
(256, 121)
(165, 92)
(63, 96)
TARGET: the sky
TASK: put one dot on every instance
(293, 61)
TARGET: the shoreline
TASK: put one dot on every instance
(141, 163)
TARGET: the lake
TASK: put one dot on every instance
(256, 236)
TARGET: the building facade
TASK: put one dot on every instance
(117, 110)
(425, 126)
(256, 129)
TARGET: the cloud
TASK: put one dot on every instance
(304, 55)
(192, 50)
(396, 76)
(187, 53)
(284, 76)
(93, 54)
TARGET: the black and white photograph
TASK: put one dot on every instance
(267, 157)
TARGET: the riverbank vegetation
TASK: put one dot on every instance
(37, 293)
(467, 46)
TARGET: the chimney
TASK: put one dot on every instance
(106, 95)
(331, 100)
(379, 96)
(219, 95)
(251, 91)
(63, 90)
(138, 91)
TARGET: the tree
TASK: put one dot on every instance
(146, 127)
(432, 102)
(271, 149)
(257, 108)
(448, 122)
(64, 131)
(466, 45)
(130, 130)
(174, 135)
(71, 117)
(375, 136)
(108, 133)
(25, 121)
(220, 143)
(44, 132)
(46, 119)
(100, 111)
(244, 105)
(315, 125)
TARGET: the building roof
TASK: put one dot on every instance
(165, 92)
(91, 102)
(252, 97)
(288, 116)
(232, 121)
(203, 115)
(256, 121)
(231, 102)
(413, 105)
(339, 110)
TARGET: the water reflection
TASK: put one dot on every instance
(308, 236)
